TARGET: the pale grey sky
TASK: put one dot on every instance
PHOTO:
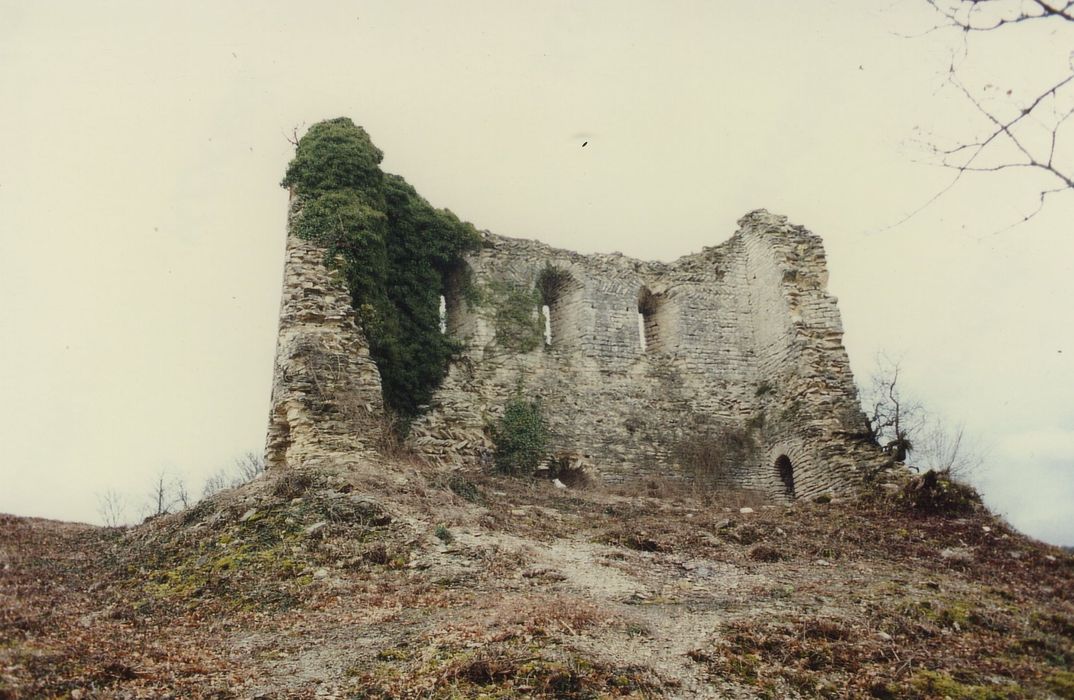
(142, 223)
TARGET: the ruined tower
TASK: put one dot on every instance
(326, 397)
(725, 365)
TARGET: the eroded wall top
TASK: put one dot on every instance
(726, 365)
(719, 365)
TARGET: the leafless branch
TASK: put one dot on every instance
(893, 419)
(990, 15)
(908, 433)
(293, 138)
(244, 469)
(182, 493)
(941, 447)
(160, 497)
(249, 466)
(112, 508)
(1012, 133)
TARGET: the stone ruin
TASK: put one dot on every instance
(725, 366)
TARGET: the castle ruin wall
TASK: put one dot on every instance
(636, 364)
(648, 358)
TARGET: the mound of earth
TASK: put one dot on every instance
(396, 580)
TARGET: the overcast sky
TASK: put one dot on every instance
(142, 225)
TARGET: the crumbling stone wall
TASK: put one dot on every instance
(726, 365)
(326, 395)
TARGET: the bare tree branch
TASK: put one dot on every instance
(990, 15)
(293, 138)
(160, 498)
(244, 469)
(182, 493)
(908, 433)
(112, 508)
(249, 466)
(1009, 143)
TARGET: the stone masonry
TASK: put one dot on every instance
(326, 395)
(726, 365)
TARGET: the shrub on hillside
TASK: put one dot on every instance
(936, 493)
(521, 437)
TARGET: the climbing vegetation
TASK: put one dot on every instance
(334, 155)
(518, 325)
(551, 282)
(391, 247)
(521, 436)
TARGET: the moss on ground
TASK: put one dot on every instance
(265, 559)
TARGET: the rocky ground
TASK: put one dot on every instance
(394, 580)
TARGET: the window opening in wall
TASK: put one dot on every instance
(455, 317)
(650, 322)
(785, 470)
(558, 290)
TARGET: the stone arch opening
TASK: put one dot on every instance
(652, 321)
(559, 305)
(785, 472)
(456, 318)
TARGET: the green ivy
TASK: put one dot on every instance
(518, 325)
(521, 437)
(334, 154)
(391, 247)
(551, 281)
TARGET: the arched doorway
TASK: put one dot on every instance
(785, 471)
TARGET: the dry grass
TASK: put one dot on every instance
(851, 599)
(686, 489)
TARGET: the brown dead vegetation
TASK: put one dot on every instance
(341, 583)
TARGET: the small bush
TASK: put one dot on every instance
(637, 539)
(521, 437)
(763, 552)
(936, 493)
(292, 485)
(467, 490)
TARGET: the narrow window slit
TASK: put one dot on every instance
(560, 294)
(651, 319)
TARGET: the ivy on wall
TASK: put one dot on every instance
(392, 248)
(519, 326)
